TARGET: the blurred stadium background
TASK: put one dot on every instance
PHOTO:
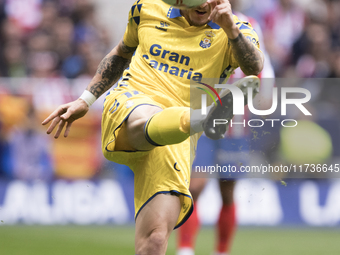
(62, 197)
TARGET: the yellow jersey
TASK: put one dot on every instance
(171, 53)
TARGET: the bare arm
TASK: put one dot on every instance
(249, 58)
(109, 71)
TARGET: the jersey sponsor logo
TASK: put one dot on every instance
(175, 167)
(207, 39)
(156, 50)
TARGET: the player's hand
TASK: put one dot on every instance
(66, 114)
(222, 15)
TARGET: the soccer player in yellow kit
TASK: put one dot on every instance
(146, 121)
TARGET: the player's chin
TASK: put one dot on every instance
(200, 20)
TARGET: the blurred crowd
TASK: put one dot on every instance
(42, 38)
(51, 39)
(302, 37)
(63, 38)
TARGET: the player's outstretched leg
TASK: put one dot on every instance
(170, 126)
(155, 223)
(225, 111)
(149, 126)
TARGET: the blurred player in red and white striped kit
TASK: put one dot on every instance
(234, 151)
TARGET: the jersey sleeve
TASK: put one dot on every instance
(131, 33)
(248, 31)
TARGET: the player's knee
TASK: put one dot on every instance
(155, 243)
(158, 239)
(135, 129)
(138, 124)
(139, 116)
(185, 122)
(132, 137)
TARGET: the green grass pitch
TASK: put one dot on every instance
(83, 240)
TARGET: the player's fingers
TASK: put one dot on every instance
(213, 14)
(218, 11)
(53, 125)
(212, 4)
(216, 17)
(60, 128)
(67, 114)
(53, 115)
(49, 118)
(68, 128)
(222, 7)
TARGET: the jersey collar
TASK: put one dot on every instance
(175, 13)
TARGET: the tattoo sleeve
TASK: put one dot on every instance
(248, 57)
(111, 69)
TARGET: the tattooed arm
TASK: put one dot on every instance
(248, 57)
(109, 71)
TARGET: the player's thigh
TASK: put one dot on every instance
(125, 111)
(159, 216)
(131, 136)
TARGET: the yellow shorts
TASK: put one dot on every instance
(162, 170)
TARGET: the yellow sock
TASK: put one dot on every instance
(169, 126)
